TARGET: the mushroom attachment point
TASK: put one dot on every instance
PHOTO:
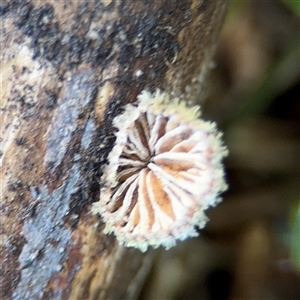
(163, 172)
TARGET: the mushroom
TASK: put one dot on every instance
(164, 171)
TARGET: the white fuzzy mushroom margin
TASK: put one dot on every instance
(146, 198)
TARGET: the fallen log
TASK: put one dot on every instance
(67, 70)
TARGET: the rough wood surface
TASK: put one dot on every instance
(67, 69)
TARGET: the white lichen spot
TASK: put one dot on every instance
(93, 35)
(139, 73)
(164, 171)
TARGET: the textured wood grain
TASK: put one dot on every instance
(68, 68)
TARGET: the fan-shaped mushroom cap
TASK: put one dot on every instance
(163, 172)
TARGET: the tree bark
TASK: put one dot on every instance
(68, 68)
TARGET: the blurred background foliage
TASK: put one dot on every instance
(250, 248)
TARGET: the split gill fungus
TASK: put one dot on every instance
(164, 171)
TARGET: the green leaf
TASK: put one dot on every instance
(293, 5)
